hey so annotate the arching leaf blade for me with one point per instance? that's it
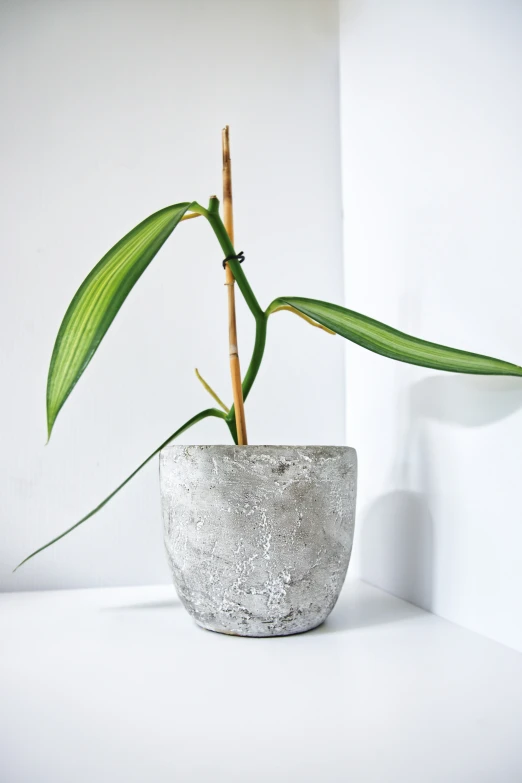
(386, 341)
(98, 300)
(194, 420)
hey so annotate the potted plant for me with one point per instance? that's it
(258, 537)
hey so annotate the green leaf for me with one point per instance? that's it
(198, 417)
(385, 340)
(98, 300)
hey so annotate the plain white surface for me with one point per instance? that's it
(118, 684)
(112, 110)
(432, 170)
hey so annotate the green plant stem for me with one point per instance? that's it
(194, 420)
(231, 424)
(213, 217)
(256, 358)
(221, 233)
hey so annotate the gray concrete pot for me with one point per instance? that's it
(258, 537)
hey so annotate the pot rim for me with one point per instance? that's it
(255, 446)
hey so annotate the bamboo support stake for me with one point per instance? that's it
(228, 220)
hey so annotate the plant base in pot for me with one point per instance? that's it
(258, 537)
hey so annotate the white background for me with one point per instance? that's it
(111, 111)
(114, 110)
(432, 170)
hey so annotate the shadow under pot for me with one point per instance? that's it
(258, 537)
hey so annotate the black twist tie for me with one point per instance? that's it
(234, 257)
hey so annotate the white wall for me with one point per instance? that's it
(432, 171)
(112, 110)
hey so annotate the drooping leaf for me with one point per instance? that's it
(198, 417)
(385, 340)
(98, 300)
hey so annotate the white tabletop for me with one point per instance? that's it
(109, 685)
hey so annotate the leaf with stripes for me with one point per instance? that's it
(385, 340)
(98, 300)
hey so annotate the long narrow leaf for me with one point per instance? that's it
(385, 340)
(198, 417)
(98, 300)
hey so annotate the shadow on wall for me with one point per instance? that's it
(396, 539)
(465, 400)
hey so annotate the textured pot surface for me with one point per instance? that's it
(258, 537)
